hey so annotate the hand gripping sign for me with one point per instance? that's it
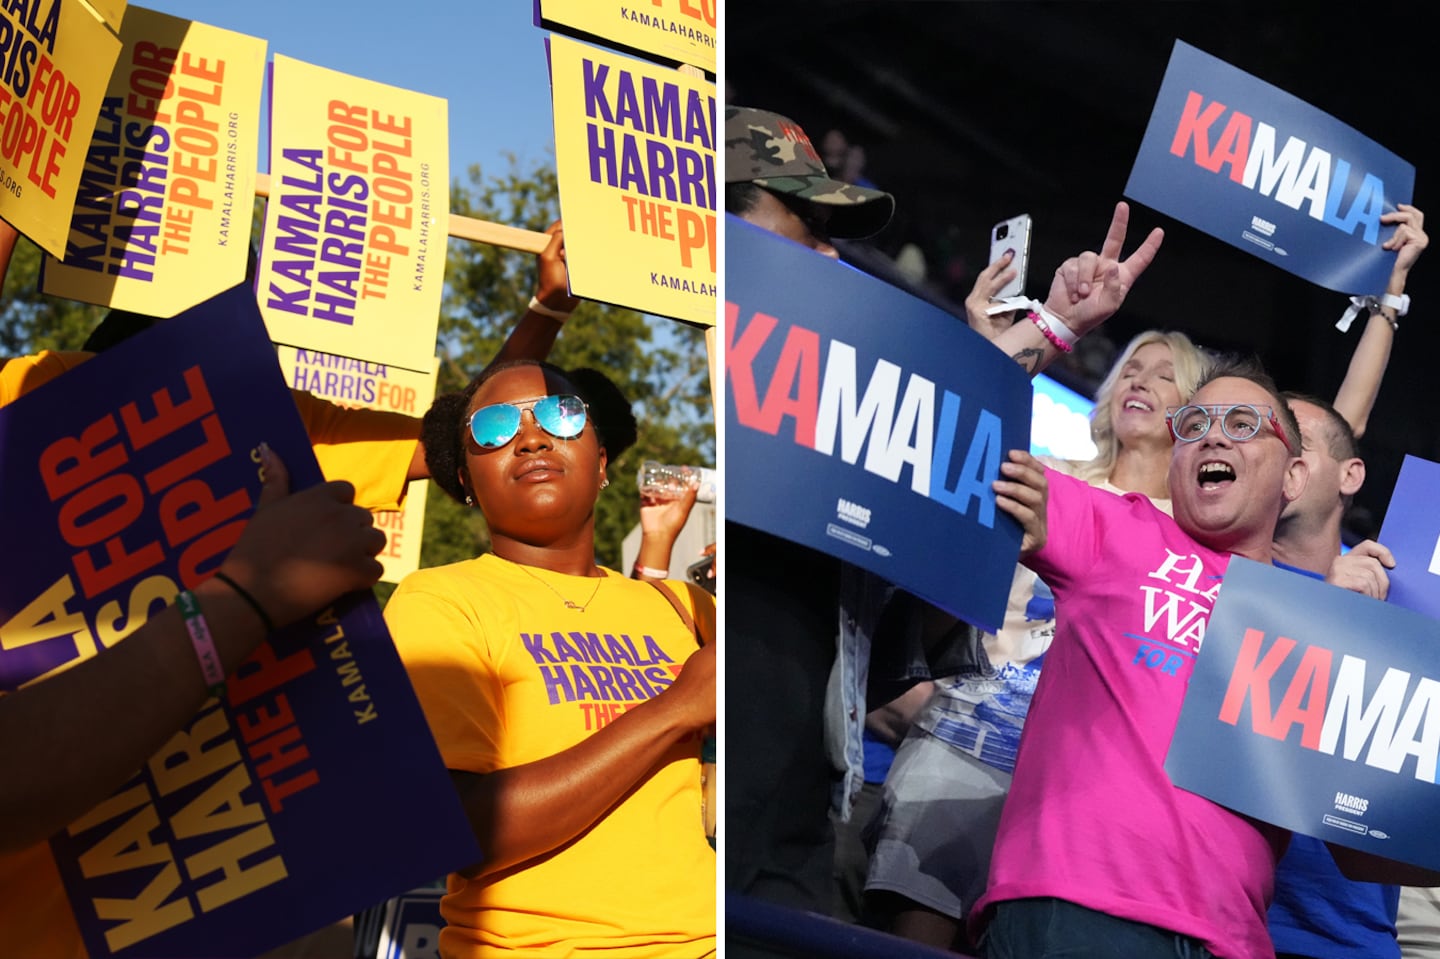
(1326, 705)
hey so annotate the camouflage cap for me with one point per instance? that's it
(773, 152)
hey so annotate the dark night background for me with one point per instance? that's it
(973, 112)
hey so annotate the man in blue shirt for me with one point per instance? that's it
(1316, 911)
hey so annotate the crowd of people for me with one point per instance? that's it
(885, 761)
(558, 798)
(981, 778)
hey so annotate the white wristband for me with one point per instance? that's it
(1058, 327)
(1400, 304)
(537, 307)
(1010, 304)
(652, 573)
(1055, 324)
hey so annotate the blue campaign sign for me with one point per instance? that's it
(1325, 705)
(867, 424)
(1268, 173)
(1412, 531)
(412, 926)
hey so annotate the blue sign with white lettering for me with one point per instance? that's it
(412, 926)
(1268, 173)
(868, 424)
(1412, 531)
(1326, 706)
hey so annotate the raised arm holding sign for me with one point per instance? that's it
(1356, 397)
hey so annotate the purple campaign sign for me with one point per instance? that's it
(314, 788)
(867, 424)
(1268, 173)
(1325, 705)
(1412, 531)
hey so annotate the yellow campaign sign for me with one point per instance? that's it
(56, 61)
(373, 386)
(635, 157)
(681, 31)
(353, 258)
(111, 11)
(162, 216)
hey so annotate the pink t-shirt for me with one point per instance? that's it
(1092, 818)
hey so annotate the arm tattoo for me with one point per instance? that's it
(1029, 359)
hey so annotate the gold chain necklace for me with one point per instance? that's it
(569, 603)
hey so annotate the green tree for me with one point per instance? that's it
(32, 321)
(658, 363)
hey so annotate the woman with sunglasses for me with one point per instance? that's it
(567, 699)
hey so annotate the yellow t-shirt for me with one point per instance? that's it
(507, 675)
(369, 448)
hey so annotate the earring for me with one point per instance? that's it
(605, 482)
(469, 500)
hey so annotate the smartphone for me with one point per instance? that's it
(702, 573)
(1012, 236)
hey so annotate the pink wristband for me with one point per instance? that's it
(1049, 334)
(200, 638)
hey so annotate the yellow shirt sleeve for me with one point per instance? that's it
(22, 374)
(371, 448)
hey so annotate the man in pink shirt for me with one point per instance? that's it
(1097, 851)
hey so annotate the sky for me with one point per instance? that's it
(486, 57)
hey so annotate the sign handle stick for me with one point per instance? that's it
(466, 228)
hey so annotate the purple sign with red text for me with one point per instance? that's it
(313, 787)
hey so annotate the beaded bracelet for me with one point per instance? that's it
(1056, 339)
(200, 638)
(537, 307)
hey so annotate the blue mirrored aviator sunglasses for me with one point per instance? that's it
(561, 415)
